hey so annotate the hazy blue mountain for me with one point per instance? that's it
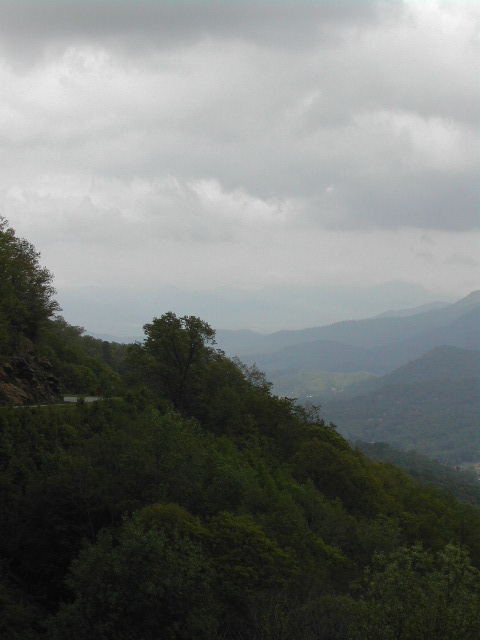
(367, 333)
(321, 355)
(325, 355)
(463, 332)
(440, 364)
(122, 311)
(412, 311)
(237, 342)
(376, 345)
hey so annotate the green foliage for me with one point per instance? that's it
(337, 471)
(84, 365)
(243, 545)
(247, 561)
(173, 355)
(461, 483)
(30, 332)
(250, 569)
(146, 582)
(18, 617)
(25, 291)
(411, 595)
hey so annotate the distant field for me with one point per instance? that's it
(302, 384)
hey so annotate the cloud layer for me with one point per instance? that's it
(208, 144)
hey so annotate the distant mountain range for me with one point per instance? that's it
(376, 345)
(410, 379)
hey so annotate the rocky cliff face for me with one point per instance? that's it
(27, 380)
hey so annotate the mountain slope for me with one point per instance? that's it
(463, 484)
(431, 405)
(439, 364)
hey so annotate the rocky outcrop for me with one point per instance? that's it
(27, 380)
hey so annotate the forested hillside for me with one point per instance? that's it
(43, 357)
(462, 483)
(189, 502)
(431, 405)
(26, 307)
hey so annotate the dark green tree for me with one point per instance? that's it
(173, 357)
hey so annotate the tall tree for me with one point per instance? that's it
(174, 355)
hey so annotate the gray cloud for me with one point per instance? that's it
(159, 25)
(243, 138)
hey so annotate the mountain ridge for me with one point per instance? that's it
(377, 345)
(361, 333)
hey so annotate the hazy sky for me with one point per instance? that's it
(252, 162)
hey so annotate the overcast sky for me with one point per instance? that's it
(261, 164)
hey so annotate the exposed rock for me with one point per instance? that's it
(26, 380)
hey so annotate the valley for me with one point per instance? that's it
(411, 380)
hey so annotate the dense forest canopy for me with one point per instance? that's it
(190, 502)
